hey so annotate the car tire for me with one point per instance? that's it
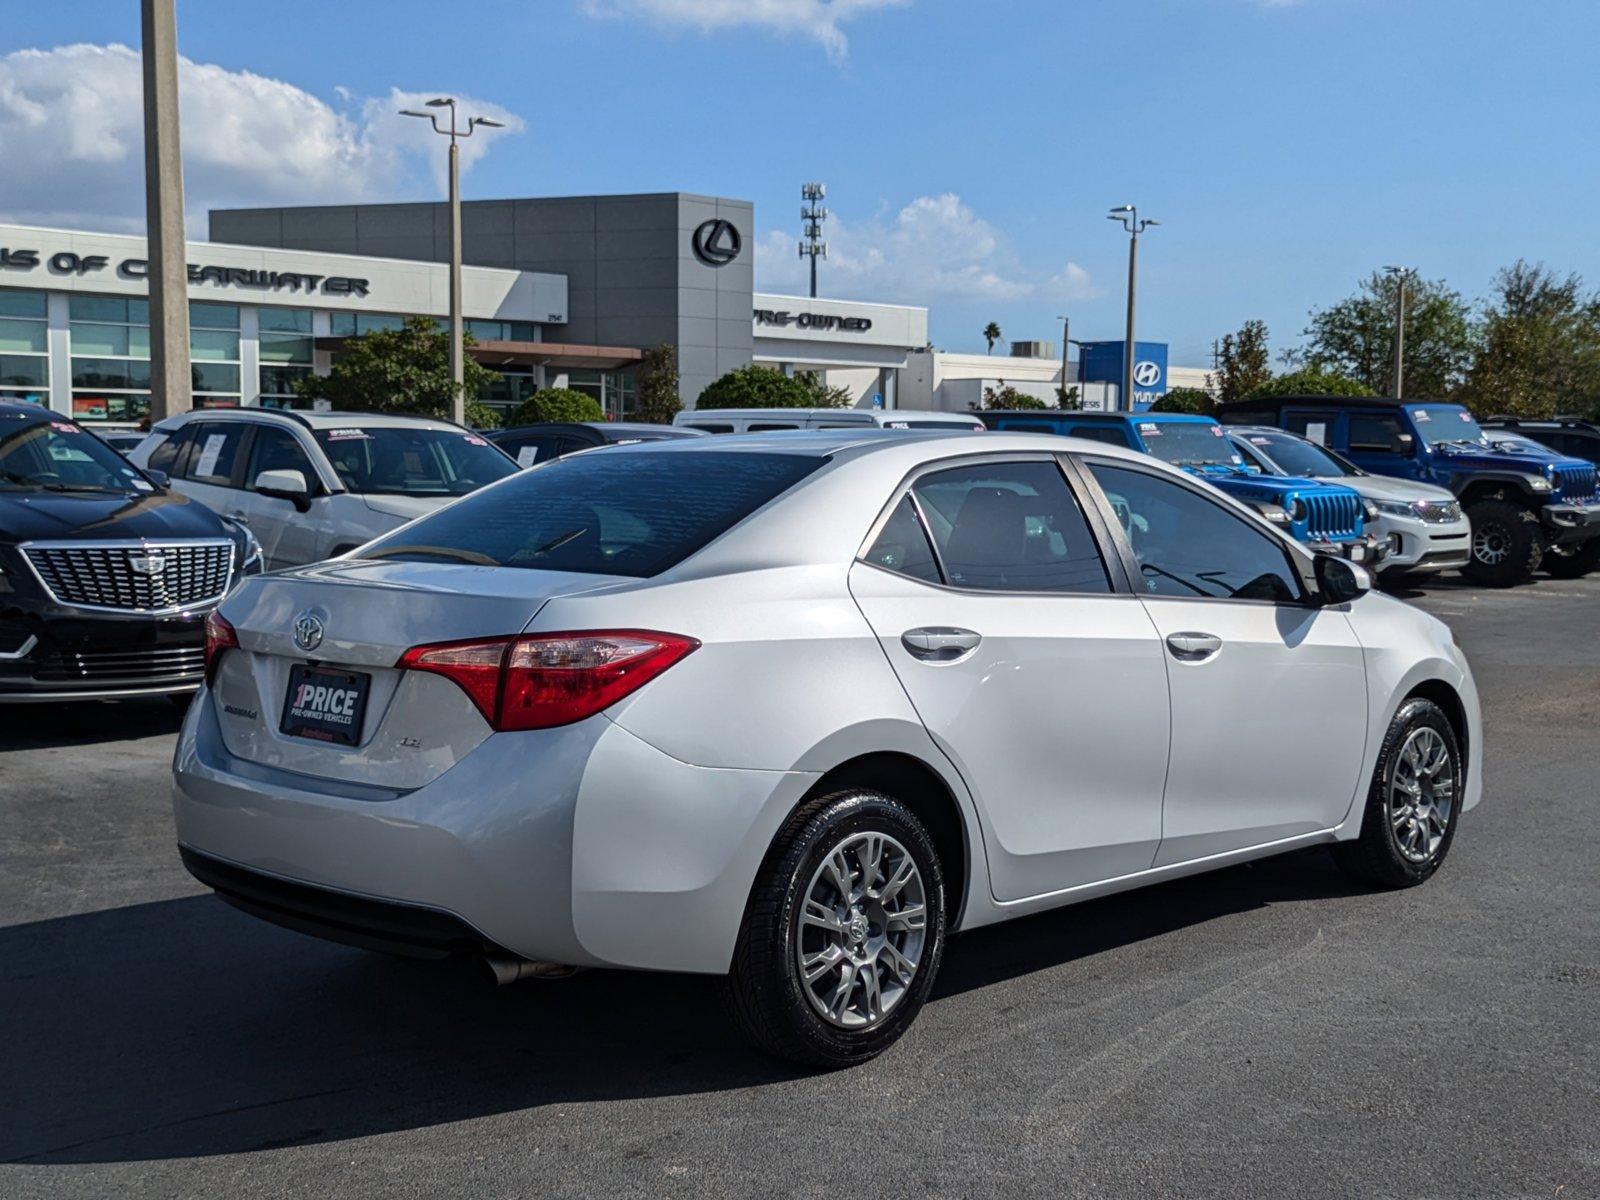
(1404, 834)
(1573, 562)
(1506, 544)
(858, 842)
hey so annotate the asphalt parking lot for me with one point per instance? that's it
(1266, 1031)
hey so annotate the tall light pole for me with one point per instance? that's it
(1128, 214)
(163, 213)
(1066, 343)
(813, 215)
(458, 371)
(1401, 274)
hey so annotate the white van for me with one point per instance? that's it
(759, 420)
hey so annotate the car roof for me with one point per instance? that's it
(869, 440)
(309, 420)
(1057, 414)
(21, 408)
(1273, 403)
(864, 415)
(606, 427)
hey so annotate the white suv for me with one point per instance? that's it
(314, 485)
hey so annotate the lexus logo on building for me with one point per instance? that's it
(1147, 374)
(307, 631)
(716, 242)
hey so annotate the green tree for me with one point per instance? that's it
(1069, 398)
(405, 370)
(1540, 351)
(1242, 362)
(557, 404)
(1356, 338)
(756, 387)
(1311, 381)
(991, 335)
(822, 395)
(658, 385)
(1186, 400)
(1003, 395)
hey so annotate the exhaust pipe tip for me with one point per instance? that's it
(508, 968)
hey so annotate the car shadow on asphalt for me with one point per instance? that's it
(181, 1028)
(86, 722)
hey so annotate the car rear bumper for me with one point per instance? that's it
(581, 845)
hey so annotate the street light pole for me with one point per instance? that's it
(1128, 215)
(163, 203)
(458, 370)
(1066, 343)
(1401, 274)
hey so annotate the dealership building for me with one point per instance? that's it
(557, 292)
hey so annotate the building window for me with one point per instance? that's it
(501, 331)
(24, 347)
(515, 385)
(286, 349)
(616, 390)
(110, 345)
(347, 324)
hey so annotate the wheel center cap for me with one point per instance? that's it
(858, 926)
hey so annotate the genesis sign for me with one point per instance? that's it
(67, 262)
(821, 322)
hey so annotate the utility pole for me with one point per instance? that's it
(170, 390)
(1066, 345)
(458, 369)
(1401, 274)
(1128, 214)
(813, 215)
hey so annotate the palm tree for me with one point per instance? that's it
(991, 335)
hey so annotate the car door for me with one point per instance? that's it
(1035, 669)
(1268, 693)
(288, 535)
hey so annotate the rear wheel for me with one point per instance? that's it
(843, 935)
(1506, 545)
(1573, 562)
(1414, 802)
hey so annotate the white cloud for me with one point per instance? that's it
(820, 20)
(71, 122)
(935, 246)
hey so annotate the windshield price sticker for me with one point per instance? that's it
(1422, 415)
(1216, 431)
(474, 440)
(1149, 427)
(1261, 441)
(527, 456)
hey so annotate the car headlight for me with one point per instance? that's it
(1398, 508)
(1370, 509)
(250, 549)
(1297, 509)
(1538, 483)
(1275, 513)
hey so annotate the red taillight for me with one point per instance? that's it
(220, 636)
(542, 680)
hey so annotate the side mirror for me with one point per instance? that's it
(285, 485)
(1340, 581)
(159, 478)
(1404, 443)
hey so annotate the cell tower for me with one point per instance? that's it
(813, 214)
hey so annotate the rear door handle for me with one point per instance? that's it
(939, 643)
(1193, 647)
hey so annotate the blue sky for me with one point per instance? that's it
(970, 150)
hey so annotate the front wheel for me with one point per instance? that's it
(1506, 544)
(843, 934)
(1573, 562)
(1414, 802)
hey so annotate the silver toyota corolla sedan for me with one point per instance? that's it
(791, 708)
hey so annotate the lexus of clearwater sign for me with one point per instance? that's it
(66, 262)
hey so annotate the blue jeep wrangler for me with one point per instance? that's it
(1527, 504)
(1327, 517)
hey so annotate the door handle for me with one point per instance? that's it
(1193, 647)
(939, 643)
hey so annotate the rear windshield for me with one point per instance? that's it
(409, 460)
(621, 513)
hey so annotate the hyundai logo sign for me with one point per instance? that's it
(1146, 374)
(716, 242)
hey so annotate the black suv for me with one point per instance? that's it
(106, 577)
(1572, 436)
(530, 444)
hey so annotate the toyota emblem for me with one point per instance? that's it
(717, 242)
(307, 631)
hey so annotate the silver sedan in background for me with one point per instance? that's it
(791, 708)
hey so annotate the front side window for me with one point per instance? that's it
(404, 460)
(1010, 527)
(633, 514)
(1187, 545)
(1375, 433)
(277, 450)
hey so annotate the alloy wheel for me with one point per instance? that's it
(1422, 794)
(861, 930)
(1490, 546)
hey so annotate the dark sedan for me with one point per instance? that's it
(530, 444)
(106, 576)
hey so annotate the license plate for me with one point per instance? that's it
(324, 704)
(1358, 553)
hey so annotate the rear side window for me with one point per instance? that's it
(768, 426)
(1111, 435)
(215, 454)
(621, 513)
(903, 546)
(1010, 527)
(713, 428)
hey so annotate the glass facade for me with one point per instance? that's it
(617, 391)
(110, 340)
(285, 348)
(24, 347)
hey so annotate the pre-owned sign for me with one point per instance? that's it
(825, 322)
(66, 262)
